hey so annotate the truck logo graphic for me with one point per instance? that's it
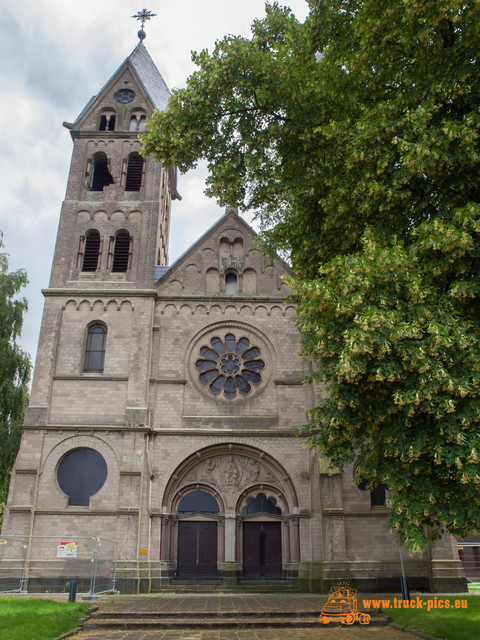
(342, 606)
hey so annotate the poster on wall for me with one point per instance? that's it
(67, 550)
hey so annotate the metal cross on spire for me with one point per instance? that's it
(143, 15)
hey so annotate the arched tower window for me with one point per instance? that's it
(133, 180)
(95, 348)
(133, 123)
(138, 120)
(101, 176)
(92, 252)
(231, 283)
(122, 251)
(107, 121)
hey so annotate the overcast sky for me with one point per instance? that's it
(55, 55)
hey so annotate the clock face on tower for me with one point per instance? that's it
(124, 96)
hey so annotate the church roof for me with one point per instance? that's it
(148, 75)
(160, 271)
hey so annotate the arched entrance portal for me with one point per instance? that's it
(197, 539)
(262, 539)
(227, 511)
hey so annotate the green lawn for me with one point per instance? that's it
(452, 624)
(38, 619)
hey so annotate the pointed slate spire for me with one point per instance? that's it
(150, 76)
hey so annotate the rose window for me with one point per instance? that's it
(230, 366)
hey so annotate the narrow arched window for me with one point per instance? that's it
(95, 348)
(91, 253)
(133, 181)
(107, 121)
(133, 123)
(142, 124)
(101, 176)
(231, 284)
(378, 495)
(121, 252)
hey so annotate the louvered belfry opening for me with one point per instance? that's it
(91, 252)
(134, 172)
(121, 252)
(101, 174)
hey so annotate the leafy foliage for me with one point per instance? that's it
(395, 332)
(14, 370)
(365, 114)
(355, 137)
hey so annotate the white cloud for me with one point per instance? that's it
(55, 56)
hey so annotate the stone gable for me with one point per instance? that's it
(227, 248)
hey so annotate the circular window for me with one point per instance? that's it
(230, 366)
(81, 474)
(124, 96)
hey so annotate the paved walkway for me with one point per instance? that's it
(239, 603)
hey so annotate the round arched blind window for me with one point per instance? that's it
(198, 502)
(230, 366)
(81, 474)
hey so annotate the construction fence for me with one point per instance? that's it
(469, 553)
(47, 564)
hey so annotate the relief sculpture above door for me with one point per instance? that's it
(230, 473)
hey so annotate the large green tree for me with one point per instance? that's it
(14, 370)
(355, 138)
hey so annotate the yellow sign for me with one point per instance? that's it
(3, 542)
(144, 552)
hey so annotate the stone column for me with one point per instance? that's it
(230, 538)
(230, 565)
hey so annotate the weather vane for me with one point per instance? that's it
(143, 15)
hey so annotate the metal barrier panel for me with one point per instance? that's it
(13, 555)
(47, 564)
(53, 561)
(470, 556)
(105, 566)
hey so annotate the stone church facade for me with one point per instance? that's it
(165, 398)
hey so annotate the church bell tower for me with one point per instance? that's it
(91, 379)
(113, 233)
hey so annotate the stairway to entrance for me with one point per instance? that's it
(210, 612)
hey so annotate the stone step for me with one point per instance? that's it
(206, 614)
(209, 621)
(249, 589)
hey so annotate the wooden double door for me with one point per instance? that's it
(262, 549)
(197, 549)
